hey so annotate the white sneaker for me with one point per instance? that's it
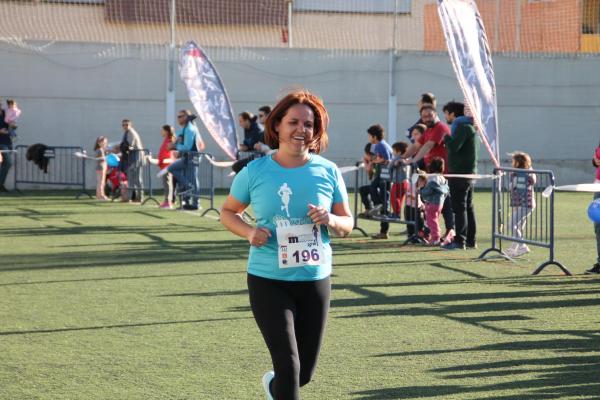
(266, 382)
(517, 250)
(521, 250)
(512, 250)
(162, 172)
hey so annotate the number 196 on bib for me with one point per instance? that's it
(306, 255)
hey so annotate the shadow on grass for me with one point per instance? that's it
(452, 312)
(118, 278)
(208, 294)
(118, 326)
(106, 229)
(158, 251)
(553, 385)
(415, 262)
(372, 302)
(555, 377)
(587, 341)
(454, 269)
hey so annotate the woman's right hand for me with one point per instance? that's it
(258, 237)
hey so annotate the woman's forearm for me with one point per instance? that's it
(341, 225)
(235, 223)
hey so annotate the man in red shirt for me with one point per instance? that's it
(431, 144)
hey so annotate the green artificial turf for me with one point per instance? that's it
(115, 301)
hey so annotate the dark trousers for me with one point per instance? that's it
(185, 172)
(415, 215)
(291, 317)
(448, 213)
(376, 193)
(597, 231)
(6, 163)
(461, 193)
(365, 196)
(380, 195)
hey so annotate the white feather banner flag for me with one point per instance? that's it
(207, 93)
(472, 61)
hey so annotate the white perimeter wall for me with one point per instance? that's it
(548, 107)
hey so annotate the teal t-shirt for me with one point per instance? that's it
(279, 194)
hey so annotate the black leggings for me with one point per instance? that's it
(291, 317)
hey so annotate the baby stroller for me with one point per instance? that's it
(116, 180)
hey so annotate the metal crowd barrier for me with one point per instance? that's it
(56, 166)
(249, 154)
(539, 225)
(205, 186)
(360, 180)
(409, 217)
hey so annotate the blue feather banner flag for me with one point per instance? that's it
(207, 93)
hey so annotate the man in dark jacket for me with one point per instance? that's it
(463, 149)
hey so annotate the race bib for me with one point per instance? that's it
(299, 245)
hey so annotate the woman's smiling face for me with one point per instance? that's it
(296, 130)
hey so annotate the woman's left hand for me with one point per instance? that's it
(319, 215)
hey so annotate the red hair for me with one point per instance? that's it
(320, 138)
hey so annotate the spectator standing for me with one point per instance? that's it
(433, 191)
(431, 145)
(413, 213)
(185, 170)
(6, 143)
(133, 160)
(11, 116)
(596, 162)
(165, 158)
(365, 190)
(522, 200)
(400, 176)
(463, 150)
(425, 99)
(101, 166)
